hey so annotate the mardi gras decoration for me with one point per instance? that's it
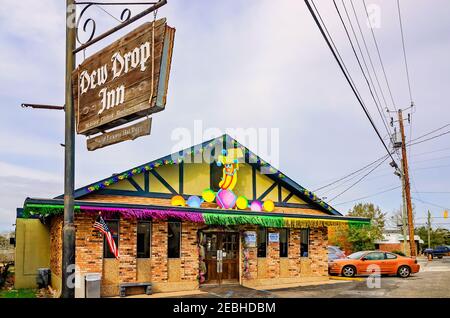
(229, 159)
(246, 263)
(208, 195)
(177, 200)
(202, 257)
(226, 199)
(242, 202)
(194, 201)
(268, 206)
(256, 206)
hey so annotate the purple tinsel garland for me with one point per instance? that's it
(146, 213)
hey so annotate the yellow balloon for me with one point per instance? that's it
(208, 195)
(178, 200)
(268, 205)
(242, 202)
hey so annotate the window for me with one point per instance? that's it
(390, 256)
(304, 242)
(375, 256)
(113, 226)
(174, 239)
(216, 173)
(284, 242)
(144, 229)
(262, 241)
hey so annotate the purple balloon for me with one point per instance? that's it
(256, 206)
(226, 199)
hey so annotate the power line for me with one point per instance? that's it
(368, 196)
(431, 138)
(379, 56)
(436, 192)
(433, 151)
(404, 50)
(359, 180)
(431, 132)
(350, 174)
(431, 203)
(368, 55)
(377, 104)
(335, 48)
(348, 79)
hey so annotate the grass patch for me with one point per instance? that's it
(18, 293)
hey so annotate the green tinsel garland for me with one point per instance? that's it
(44, 210)
(357, 224)
(305, 223)
(229, 219)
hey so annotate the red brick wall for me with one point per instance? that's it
(127, 250)
(273, 256)
(294, 252)
(189, 251)
(89, 245)
(252, 256)
(318, 253)
(159, 252)
(391, 247)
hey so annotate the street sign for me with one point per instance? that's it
(118, 135)
(125, 81)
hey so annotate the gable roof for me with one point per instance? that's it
(225, 140)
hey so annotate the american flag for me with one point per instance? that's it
(100, 225)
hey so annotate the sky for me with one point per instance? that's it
(239, 64)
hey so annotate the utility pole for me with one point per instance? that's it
(412, 244)
(68, 252)
(404, 218)
(429, 228)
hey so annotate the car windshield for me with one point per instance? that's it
(356, 255)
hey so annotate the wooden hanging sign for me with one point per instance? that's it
(132, 132)
(125, 81)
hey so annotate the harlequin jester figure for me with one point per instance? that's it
(229, 159)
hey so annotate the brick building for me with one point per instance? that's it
(274, 233)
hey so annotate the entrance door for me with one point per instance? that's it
(222, 253)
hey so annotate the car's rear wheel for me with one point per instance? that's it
(348, 271)
(440, 256)
(404, 271)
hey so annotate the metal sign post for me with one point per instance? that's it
(68, 252)
(68, 248)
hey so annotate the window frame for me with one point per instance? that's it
(386, 256)
(214, 168)
(149, 223)
(367, 259)
(308, 231)
(287, 242)
(179, 241)
(257, 241)
(106, 250)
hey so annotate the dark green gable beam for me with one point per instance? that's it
(134, 184)
(262, 196)
(163, 181)
(146, 181)
(181, 177)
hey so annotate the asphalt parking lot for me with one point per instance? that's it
(433, 280)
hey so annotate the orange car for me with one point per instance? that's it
(368, 262)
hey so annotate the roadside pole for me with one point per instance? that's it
(412, 244)
(429, 228)
(68, 252)
(404, 218)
